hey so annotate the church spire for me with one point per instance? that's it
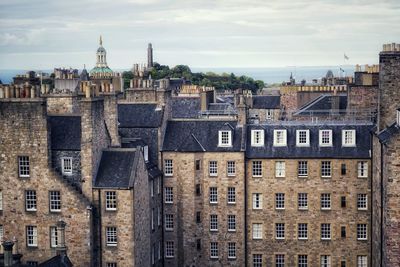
(101, 41)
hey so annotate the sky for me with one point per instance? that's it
(43, 34)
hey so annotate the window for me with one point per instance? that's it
(302, 201)
(168, 167)
(257, 168)
(225, 138)
(231, 223)
(348, 137)
(302, 138)
(302, 260)
(1, 200)
(111, 200)
(213, 195)
(169, 195)
(231, 195)
(257, 231)
(213, 249)
(343, 264)
(326, 169)
(257, 260)
(169, 222)
(198, 190)
(257, 137)
(31, 236)
(325, 201)
(152, 219)
(111, 236)
(279, 137)
(159, 250)
(325, 137)
(231, 168)
(197, 164)
(53, 237)
(279, 260)
(213, 168)
(279, 201)
(325, 231)
(302, 231)
(1, 238)
(280, 169)
(302, 168)
(362, 261)
(151, 188)
(66, 166)
(361, 231)
(257, 201)
(362, 167)
(111, 264)
(55, 201)
(269, 114)
(280, 231)
(325, 261)
(159, 216)
(23, 166)
(343, 169)
(30, 200)
(343, 231)
(169, 249)
(213, 222)
(362, 201)
(198, 244)
(198, 217)
(343, 201)
(159, 185)
(231, 250)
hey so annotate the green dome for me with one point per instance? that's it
(101, 70)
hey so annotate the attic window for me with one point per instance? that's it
(325, 137)
(257, 137)
(348, 137)
(302, 138)
(225, 138)
(280, 138)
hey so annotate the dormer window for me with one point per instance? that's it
(325, 137)
(348, 137)
(279, 137)
(302, 137)
(225, 138)
(257, 137)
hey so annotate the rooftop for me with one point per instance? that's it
(65, 132)
(139, 115)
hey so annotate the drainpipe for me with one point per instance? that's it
(382, 188)
(8, 258)
(245, 210)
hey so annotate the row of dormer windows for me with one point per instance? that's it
(303, 138)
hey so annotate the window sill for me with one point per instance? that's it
(362, 209)
(326, 209)
(257, 176)
(279, 238)
(231, 175)
(326, 177)
(231, 203)
(302, 176)
(303, 239)
(112, 245)
(112, 210)
(55, 211)
(326, 239)
(280, 209)
(362, 239)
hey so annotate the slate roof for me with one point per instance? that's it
(185, 107)
(57, 261)
(200, 136)
(360, 151)
(385, 135)
(322, 105)
(220, 106)
(65, 132)
(115, 169)
(266, 102)
(139, 115)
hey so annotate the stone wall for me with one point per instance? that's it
(362, 97)
(62, 104)
(376, 218)
(76, 176)
(140, 95)
(111, 117)
(340, 249)
(24, 132)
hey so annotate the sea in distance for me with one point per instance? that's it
(268, 75)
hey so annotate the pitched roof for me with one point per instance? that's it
(115, 169)
(57, 261)
(139, 115)
(361, 150)
(200, 136)
(185, 107)
(386, 134)
(266, 102)
(65, 132)
(322, 105)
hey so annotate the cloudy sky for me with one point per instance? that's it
(40, 34)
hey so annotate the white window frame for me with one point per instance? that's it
(302, 169)
(169, 222)
(256, 167)
(280, 169)
(213, 195)
(1, 238)
(169, 195)
(168, 167)
(213, 222)
(30, 200)
(279, 231)
(322, 137)
(257, 138)
(111, 236)
(55, 201)
(301, 199)
(269, 114)
(53, 237)
(326, 261)
(111, 200)
(362, 261)
(231, 168)
(280, 201)
(302, 231)
(362, 231)
(277, 140)
(326, 169)
(169, 249)
(257, 201)
(213, 168)
(326, 198)
(302, 260)
(214, 250)
(231, 195)
(362, 169)
(222, 135)
(257, 230)
(231, 223)
(24, 166)
(66, 166)
(348, 138)
(326, 231)
(362, 201)
(279, 260)
(231, 250)
(31, 236)
(257, 260)
(299, 138)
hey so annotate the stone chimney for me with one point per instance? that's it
(8, 257)
(242, 111)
